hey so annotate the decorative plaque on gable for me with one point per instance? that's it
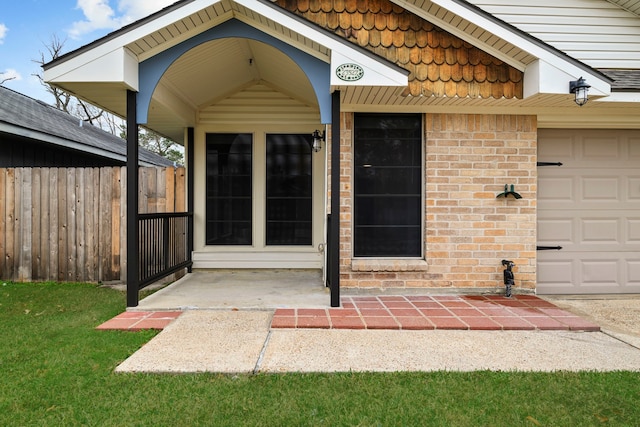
(349, 72)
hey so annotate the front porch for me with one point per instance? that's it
(297, 299)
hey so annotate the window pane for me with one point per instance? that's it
(289, 189)
(229, 188)
(387, 180)
(388, 241)
(388, 185)
(383, 210)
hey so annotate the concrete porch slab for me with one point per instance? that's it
(245, 289)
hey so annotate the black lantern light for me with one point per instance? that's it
(581, 90)
(318, 137)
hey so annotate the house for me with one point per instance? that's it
(35, 134)
(431, 116)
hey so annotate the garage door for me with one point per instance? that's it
(589, 206)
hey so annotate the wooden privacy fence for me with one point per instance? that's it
(69, 224)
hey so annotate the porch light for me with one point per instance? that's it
(318, 137)
(581, 89)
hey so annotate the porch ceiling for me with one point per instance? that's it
(217, 70)
(213, 72)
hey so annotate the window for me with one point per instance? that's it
(229, 189)
(289, 190)
(388, 185)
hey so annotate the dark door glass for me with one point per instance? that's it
(229, 189)
(289, 189)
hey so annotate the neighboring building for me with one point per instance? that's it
(34, 134)
(430, 109)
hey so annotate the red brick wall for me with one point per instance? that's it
(468, 231)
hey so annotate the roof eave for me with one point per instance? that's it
(116, 34)
(543, 53)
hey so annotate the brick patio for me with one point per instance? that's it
(489, 313)
(524, 312)
(139, 320)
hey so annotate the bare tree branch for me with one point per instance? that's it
(54, 51)
(3, 81)
(91, 114)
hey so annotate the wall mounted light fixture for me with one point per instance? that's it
(581, 89)
(318, 137)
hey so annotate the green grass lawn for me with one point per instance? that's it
(56, 369)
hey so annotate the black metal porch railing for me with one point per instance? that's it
(163, 245)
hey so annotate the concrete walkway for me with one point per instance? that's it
(229, 341)
(226, 326)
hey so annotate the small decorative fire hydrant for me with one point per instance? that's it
(508, 276)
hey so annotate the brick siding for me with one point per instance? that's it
(468, 231)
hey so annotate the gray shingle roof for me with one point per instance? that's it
(44, 122)
(623, 80)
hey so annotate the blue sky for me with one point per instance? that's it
(27, 26)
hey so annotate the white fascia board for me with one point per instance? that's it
(130, 70)
(573, 72)
(542, 77)
(376, 72)
(75, 65)
(117, 66)
(621, 97)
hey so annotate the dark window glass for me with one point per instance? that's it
(229, 189)
(388, 185)
(289, 190)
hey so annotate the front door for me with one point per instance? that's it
(263, 205)
(289, 193)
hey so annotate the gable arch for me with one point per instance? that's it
(152, 69)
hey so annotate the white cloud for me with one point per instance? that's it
(3, 32)
(10, 74)
(132, 10)
(99, 15)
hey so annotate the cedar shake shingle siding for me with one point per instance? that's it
(439, 63)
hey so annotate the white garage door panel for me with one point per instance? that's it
(555, 231)
(590, 231)
(591, 207)
(561, 272)
(633, 272)
(559, 187)
(633, 225)
(554, 273)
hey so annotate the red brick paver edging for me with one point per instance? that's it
(139, 320)
(477, 312)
